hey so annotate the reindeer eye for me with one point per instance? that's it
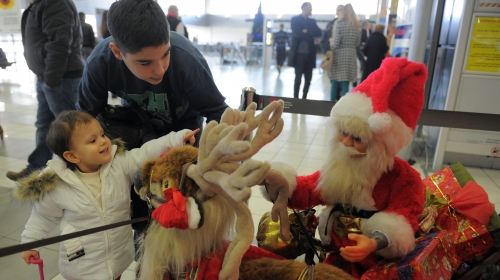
(166, 184)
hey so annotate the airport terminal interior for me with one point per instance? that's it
(302, 143)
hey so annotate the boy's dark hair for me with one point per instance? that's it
(137, 24)
(305, 4)
(59, 136)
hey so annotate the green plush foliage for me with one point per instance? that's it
(431, 199)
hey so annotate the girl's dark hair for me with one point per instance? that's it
(137, 24)
(59, 136)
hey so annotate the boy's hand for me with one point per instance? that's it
(27, 254)
(189, 137)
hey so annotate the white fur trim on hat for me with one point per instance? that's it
(397, 137)
(193, 212)
(380, 122)
(354, 104)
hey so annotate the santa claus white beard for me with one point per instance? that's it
(348, 173)
(171, 249)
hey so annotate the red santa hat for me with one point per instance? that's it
(389, 101)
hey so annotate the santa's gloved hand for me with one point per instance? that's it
(365, 246)
(278, 187)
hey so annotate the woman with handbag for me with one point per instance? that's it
(346, 37)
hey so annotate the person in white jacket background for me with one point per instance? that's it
(86, 186)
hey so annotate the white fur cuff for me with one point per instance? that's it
(397, 229)
(193, 212)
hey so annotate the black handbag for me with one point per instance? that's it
(128, 122)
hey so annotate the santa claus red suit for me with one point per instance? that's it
(366, 188)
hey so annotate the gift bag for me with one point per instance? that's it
(465, 212)
(269, 236)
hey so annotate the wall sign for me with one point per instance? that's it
(484, 45)
(10, 16)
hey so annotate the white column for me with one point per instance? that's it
(418, 44)
(420, 30)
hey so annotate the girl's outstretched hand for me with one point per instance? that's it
(189, 138)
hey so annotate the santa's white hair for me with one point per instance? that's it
(343, 177)
(171, 249)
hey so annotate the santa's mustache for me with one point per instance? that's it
(349, 151)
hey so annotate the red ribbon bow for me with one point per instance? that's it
(472, 201)
(173, 213)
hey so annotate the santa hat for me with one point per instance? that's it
(389, 101)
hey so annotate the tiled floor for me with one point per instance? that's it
(301, 144)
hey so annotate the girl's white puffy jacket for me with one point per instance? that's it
(61, 198)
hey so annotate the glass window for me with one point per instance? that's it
(271, 7)
(233, 7)
(186, 7)
(320, 7)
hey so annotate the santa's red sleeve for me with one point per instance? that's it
(400, 197)
(305, 195)
(301, 189)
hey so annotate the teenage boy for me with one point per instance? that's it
(160, 72)
(143, 63)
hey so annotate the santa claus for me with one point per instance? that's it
(373, 197)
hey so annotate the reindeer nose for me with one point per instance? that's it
(137, 180)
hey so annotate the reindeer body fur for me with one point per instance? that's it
(165, 250)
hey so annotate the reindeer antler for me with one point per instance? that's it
(218, 170)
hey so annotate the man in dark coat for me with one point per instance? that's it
(52, 40)
(366, 32)
(303, 52)
(375, 50)
(280, 41)
(88, 36)
(325, 41)
(175, 21)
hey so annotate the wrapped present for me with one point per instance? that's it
(434, 257)
(383, 270)
(464, 212)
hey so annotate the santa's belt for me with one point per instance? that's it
(352, 211)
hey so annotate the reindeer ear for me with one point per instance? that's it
(146, 171)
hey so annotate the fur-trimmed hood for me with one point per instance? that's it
(42, 181)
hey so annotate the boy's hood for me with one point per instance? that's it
(40, 182)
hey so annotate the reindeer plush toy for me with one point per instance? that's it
(199, 199)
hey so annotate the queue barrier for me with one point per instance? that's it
(452, 119)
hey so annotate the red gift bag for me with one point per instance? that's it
(465, 214)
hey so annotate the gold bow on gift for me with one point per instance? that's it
(269, 237)
(427, 219)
